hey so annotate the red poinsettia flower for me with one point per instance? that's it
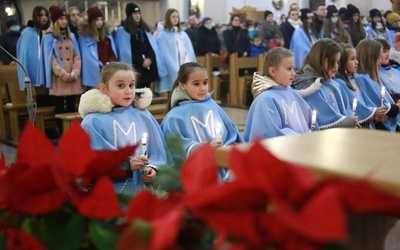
(19, 240)
(44, 177)
(267, 201)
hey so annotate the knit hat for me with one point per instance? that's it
(56, 12)
(205, 19)
(131, 8)
(331, 10)
(343, 14)
(267, 13)
(93, 13)
(375, 12)
(351, 10)
(304, 13)
(11, 22)
(392, 17)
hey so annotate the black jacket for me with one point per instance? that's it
(207, 41)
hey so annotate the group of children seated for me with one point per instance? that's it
(338, 86)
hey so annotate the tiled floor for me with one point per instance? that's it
(238, 116)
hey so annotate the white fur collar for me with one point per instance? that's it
(314, 87)
(94, 101)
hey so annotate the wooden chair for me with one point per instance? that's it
(237, 86)
(15, 109)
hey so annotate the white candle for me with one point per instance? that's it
(354, 106)
(218, 133)
(313, 119)
(383, 90)
(144, 144)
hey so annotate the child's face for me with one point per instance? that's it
(257, 41)
(121, 88)
(284, 73)
(332, 71)
(197, 84)
(99, 22)
(174, 18)
(384, 57)
(62, 22)
(352, 62)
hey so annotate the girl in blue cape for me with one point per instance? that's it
(368, 54)
(277, 109)
(176, 49)
(365, 110)
(303, 37)
(315, 85)
(136, 45)
(96, 46)
(195, 116)
(30, 55)
(389, 75)
(113, 123)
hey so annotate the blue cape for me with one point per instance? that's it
(29, 54)
(123, 44)
(365, 110)
(126, 126)
(166, 43)
(371, 92)
(300, 45)
(275, 112)
(390, 78)
(90, 59)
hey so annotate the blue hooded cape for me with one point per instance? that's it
(90, 59)
(300, 45)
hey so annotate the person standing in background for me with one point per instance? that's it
(135, 45)
(9, 41)
(320, 14)
(269, 29)
(29, 54)
(176, 49)
(74, 15)
(192, 29)
(208, 38)
(96, 46)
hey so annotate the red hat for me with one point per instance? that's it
(93, 13)
(56, 12)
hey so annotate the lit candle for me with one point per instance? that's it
(218, 133)
(383, 90)
(354, 106)
(313, 119)
(144, 144)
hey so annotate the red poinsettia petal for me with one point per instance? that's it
(30, 190)
(132, 240)
(75, 148)
(321, 220)
(3, 166)
(166, 229)
(258, 167)
(35, 150)
(362, 197)
(101, 202)
(147, 206)
(199, 170)
(17, 239)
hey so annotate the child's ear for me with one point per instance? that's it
(103, 88)
(272, 71)
(181, 86)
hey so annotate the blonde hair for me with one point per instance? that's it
(57, 31)
(111, 68)
(98, 34)
(274, 57)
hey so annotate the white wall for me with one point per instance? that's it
(28, 6)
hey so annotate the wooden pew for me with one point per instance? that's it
(217, 62)
(350, 154)
(237, 87)
(15, 108)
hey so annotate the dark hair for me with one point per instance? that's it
(36, 15)
(167, 20)
(233, 16)
(256, 36)
(324, 49)
(183, 76)
(384, 42)
(132, 27)
(342, 71)
(319, 5)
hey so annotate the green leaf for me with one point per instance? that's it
(168, 178)
(59, 230)
(102, 234)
